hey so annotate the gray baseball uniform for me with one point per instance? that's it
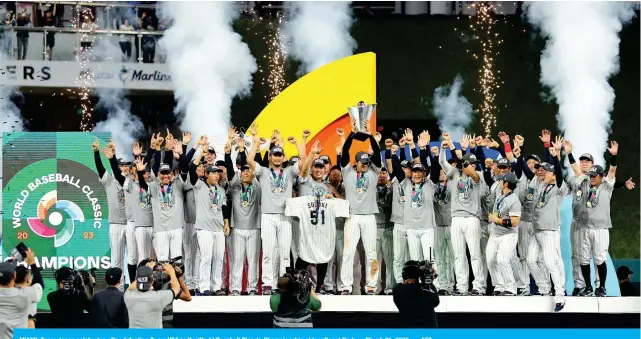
(191, 255)
(444, 258)
(143, 217)
(597, 234)
(167, 202)
(117, 219)
(399, 234)
(384, 238)
(579, 188)
(502, 243)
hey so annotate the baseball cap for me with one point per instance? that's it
(418, 167)
(325, 159)
(384, 169)
(596, 170)
(277, 150)
(335, 167)
(318, 163)
(113, 275)
(122, 162)
(164, 168)
(211, 149)
(144, 278)
(586, 156)
(452, 161)
(534, 157)
(406, 164)
(509, 177)
(546, 166)
(7, 269)
(219, 163)
(244, 168)
(363, 158)
(503, 163)
(213, 169)
(623, 271)
(471, 158)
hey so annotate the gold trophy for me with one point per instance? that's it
(361, 115)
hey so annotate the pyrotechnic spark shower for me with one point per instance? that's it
(86, 77)
(276, 54)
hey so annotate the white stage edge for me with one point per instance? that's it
(385, 304)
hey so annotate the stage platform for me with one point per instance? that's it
(450, 304)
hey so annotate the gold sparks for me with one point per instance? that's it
(85, 79)
(276, 54)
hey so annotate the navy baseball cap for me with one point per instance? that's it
(245, 168)
(452, 161)
(211, 149)
(596, 170)
(509, 177)
(623, 271)
(586, 156)
(325, 159)
(405, 164)
(363, 158)
(219, 163)
(122, 162)
(546, 166)
(335, 167)
(318, 163)
(113, 275)
(276, 150)
(471, 158)
(503, 163)
(144, 279)
(7, 269)
(384, 169)
(164, 168)
(418, 167)
(533, 157)
(213, 169)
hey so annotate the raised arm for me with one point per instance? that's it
(376, 149)
(442, 159)
(613, 149)
(251, 157)
(345, 153)
(302, 152)
(307, 166)
(96, 157)
(568, 152)
(435, 171)
(140, 168)
(556, 162)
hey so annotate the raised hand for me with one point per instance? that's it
(445, 144)
(378, 137)
(434, 150)
(159, 140)
(169, 135)
(388, 144)
(316, 148)
(186, 138)
(178, 149)
(203, 140)
(292, 140)
(479, 140)
(567, 144)
(519, 140)
(306, 134)
(136, 149)
(614, 147)
(493, 144)
(394, 149)
(253, 129)
(489, 162)
(446, 136)
(402, 141)
(108, 152)
(170, 143)
(472, 139)
(340, 132)
(504, 137)
(339, 149)
(545, 136)
(558, 144)
(231, 133)
(262, 140)
(112, 145)
(629, 184)
(409, 136)
(465, 142)
(95, 145)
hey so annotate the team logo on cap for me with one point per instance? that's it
(365, 156)
(56, 218)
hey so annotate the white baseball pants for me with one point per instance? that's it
(168, 244)
(420, 243)
(576, 243)
(244, 244)
(526, 235)
(144, 243)
(401, 252)
(499, 252)
(132, 249)
(466, 231)
(212, 249)
(444, 257)
(548, 246)
(117, 243)
(485, 236)
(359, 227)
(385, 253)
(276, 236)
(190, 250)
(295, 239)
(595, 245)
(333, 278)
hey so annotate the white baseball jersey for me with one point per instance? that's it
(317, 239)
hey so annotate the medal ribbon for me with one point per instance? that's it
(278, 179)
(593, 195)
(417, 192)
(500, 202)
(166, 193)
(213, 195)
(141, 196)
(360, 180)
(441, 191)
(245, 192)
(544, 194)
(464, 185)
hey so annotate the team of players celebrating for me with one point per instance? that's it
(439, 203)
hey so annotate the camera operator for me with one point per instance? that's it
(15, 302)
(292, 307)
(72, 299)
(417, 297)
(144, 304)
(108, 308)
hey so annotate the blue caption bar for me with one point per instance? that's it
(325, 333)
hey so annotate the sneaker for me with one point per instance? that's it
(388, 292)
(244, 293)
(475, 292)
(345, 292)
(576, 291)
(235, 293)
(220, 293)
(507, 294)
(192, 292)
(587, 292)
(456, 293)
(328, 292)
(600, 292)
(496, 293)
(443, 292)
(524, 292)
(206, 293)
(558, 307)
(371, 292)
(267, 290)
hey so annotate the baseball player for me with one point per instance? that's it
(317, 215)
(360, 183)
(167, 202)
(116, 203)
(276, 187)
(466, 190)
(596, 235)
(191, 255)
(400, 170)
(384, 232)
(547, 223)
(504, 235)
(212, 226)
(245, 234)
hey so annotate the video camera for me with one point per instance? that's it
(161, 278)
(428, 273)
(300, 284)
(75, 282)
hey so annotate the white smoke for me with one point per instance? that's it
(123, 125)
(581, 54)
(453, 111)
(209, 64)
(318, 32)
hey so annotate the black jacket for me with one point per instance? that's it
(415, 306)
(108, 309)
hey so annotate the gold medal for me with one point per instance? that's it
(589, 204)
(441, 202)
(277, 190)
(414, 205)
(142, 205)
(214, 206)
(540, 204)
(401, 199)
(530, 196)
(165, 205)
(579, 193)
(461, 196)
(245, 203)
(359, 190)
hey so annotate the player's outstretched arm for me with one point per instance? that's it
(442, 158)
(376, 151)
(345, 157)
(567, 145)
(96, 157)
(613, 149)
(307, 166)
(251, 157)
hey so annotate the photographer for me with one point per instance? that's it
(108, 308)
(417, 297)
(73, 297)
(292, 307)
(15, 302)
(145, 305)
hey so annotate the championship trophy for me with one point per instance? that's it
(361, 115)
(241, 134)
